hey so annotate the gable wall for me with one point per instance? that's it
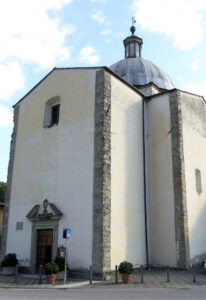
(56, 163)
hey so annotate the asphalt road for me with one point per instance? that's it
(105, 293)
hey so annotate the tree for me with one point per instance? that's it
(2, 191)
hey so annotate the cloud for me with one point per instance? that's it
(98, 1)
(106, 32)
(6, 117)
(198, 88)
(12, 79)
(99, 17)
(89, 55)
(180, 20)
(195, 65)
(30, 34)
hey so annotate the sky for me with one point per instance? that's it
(37, 36)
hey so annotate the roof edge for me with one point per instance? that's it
(48, 74)
(77, 68)
(148, 98)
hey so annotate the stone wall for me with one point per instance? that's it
(180, 202)
(9, 181)
(102, 175)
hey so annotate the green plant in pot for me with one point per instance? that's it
(126, 270)
(9, 263)
(51, 269)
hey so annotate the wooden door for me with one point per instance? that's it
(44, 246)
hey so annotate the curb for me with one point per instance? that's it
(43, 286)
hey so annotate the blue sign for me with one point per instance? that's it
(68, 233)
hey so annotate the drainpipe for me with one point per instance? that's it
(145, 183)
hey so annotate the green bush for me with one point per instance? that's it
(126, 267)
(60, 261)
(10, 260)
(51, 268)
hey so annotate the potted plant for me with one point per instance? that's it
(126, 270)
(60, 261)
(51, 269)
(9, 263)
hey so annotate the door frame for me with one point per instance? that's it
(36, 225)
(45, 216)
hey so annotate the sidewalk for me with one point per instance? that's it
(151, 278)
(32, 281)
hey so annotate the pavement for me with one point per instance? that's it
(147, 278)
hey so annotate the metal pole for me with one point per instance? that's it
(168, 274)
(193, 273)
(65, 264)
(90, 275)
(116, 275)
(16, 273)
(40, 274)
(142, 276)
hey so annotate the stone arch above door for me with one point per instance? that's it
(42, 217)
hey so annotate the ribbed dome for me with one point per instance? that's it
(138, 71)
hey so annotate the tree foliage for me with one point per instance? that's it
(2, 191)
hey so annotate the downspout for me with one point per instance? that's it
(145, 183)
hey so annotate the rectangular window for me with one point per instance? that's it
(55, 114)
(198, 181)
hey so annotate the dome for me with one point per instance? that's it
(138, 71)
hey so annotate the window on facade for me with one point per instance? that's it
(55, 114)
(132, 50)
(51, 112)
(198, 181)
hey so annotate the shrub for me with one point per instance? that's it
(10, 260)
(60, 261)
(51, 268)
(126, 267)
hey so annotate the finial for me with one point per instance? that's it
(133, 28)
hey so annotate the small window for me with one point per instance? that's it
(198, 181)
(55, 114)
(51, 112)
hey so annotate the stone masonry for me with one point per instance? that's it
(180, 205)
(101, 260)
(9, 181)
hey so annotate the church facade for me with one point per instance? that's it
(117, 155)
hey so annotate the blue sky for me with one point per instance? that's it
(39, 35)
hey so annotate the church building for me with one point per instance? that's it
(116, 154)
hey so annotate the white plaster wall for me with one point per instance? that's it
(160, 182)
(127, 187)
(149, 90)
(56, 163)
(194, 145)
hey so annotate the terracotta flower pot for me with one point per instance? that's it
(126, 278)
(51, 278)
